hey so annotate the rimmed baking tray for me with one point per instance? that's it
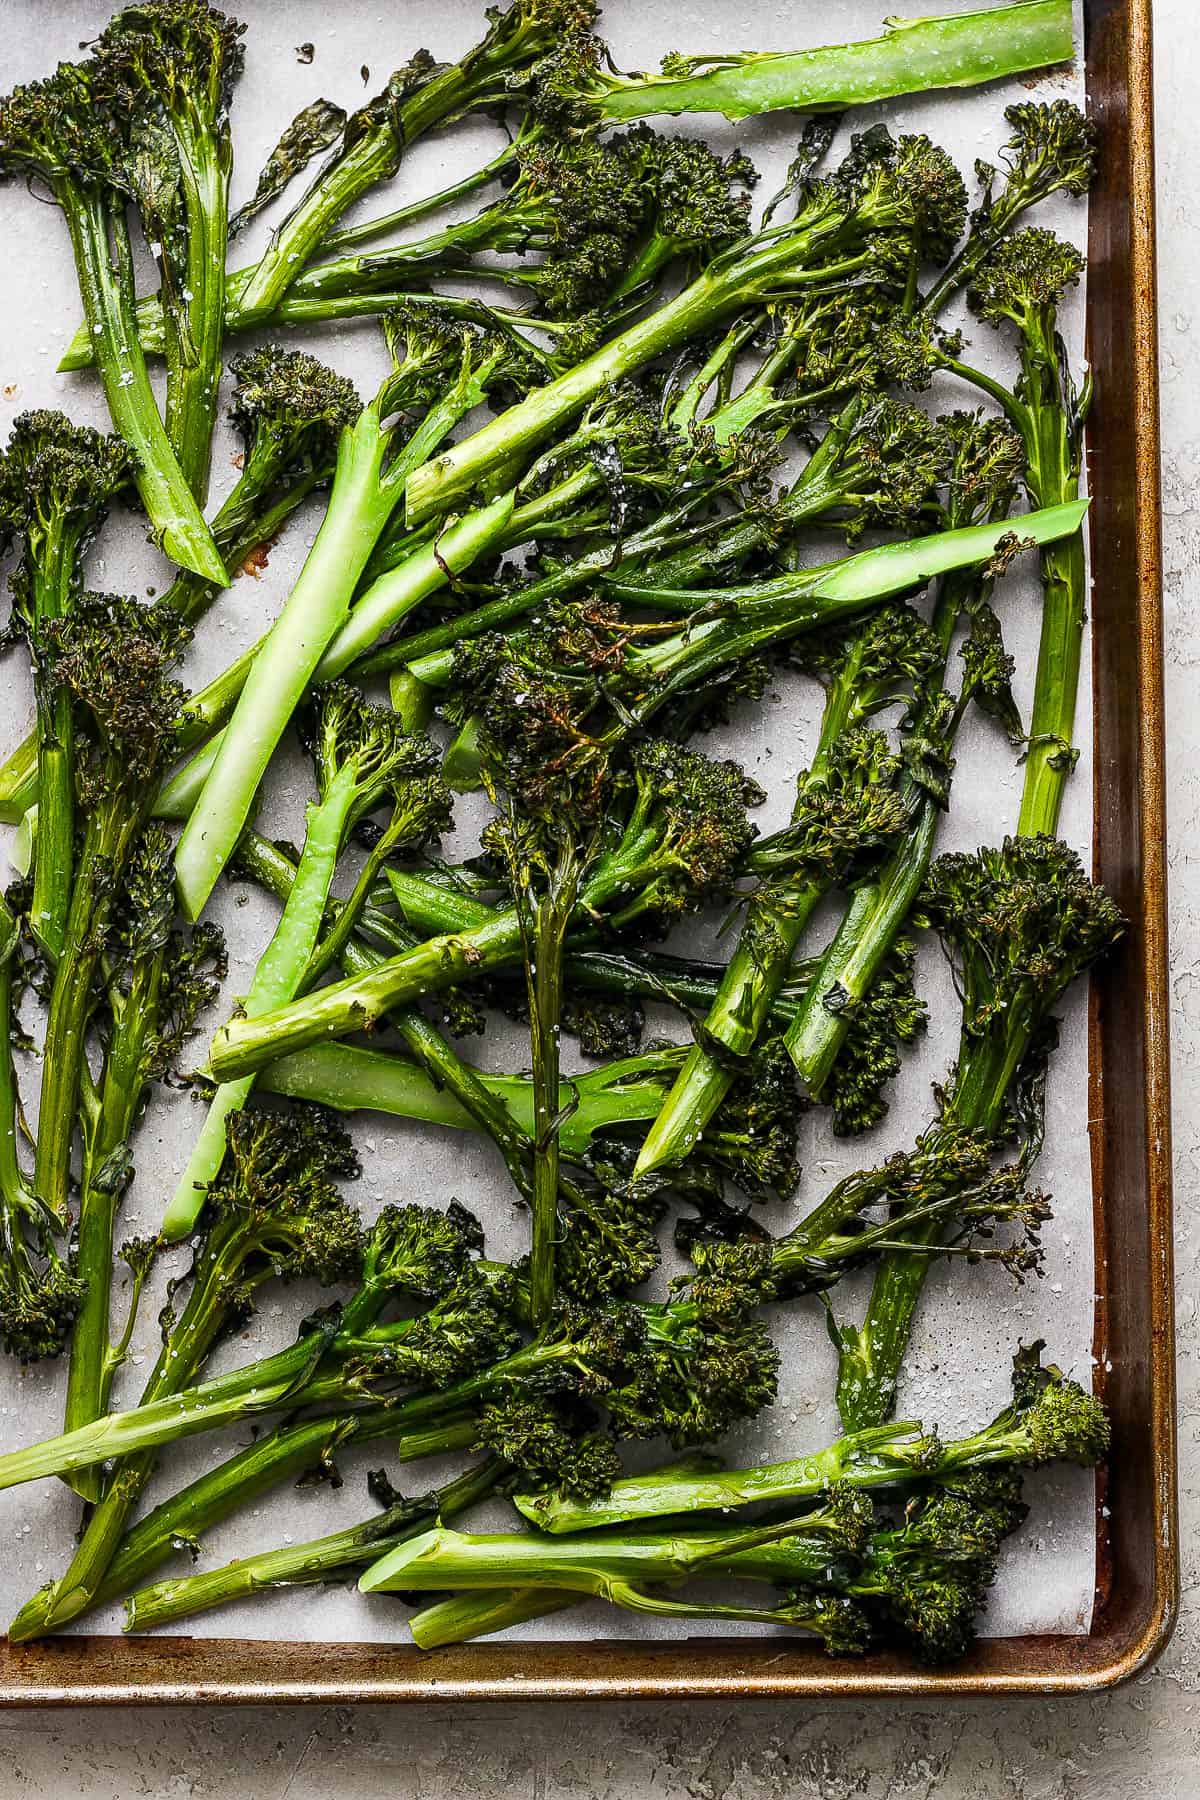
(1129, 1117)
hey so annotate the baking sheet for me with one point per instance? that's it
(972, 1318)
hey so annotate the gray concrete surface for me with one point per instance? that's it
(1144, 1740)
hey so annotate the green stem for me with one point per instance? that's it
(184, 1350)
(296, 310)
(846, 972)
(12, 1179)
(457, 546)
(52, 581)
(544, 923)
(601, 1566)
(109, 833)
(288, 1452)
(885, 1456)
(482, 1613)
(349, 1079)
(317, 607)
(1051, 759)
(914, 55)
(419, 209)
(93, 1358)
(276, 980)
(193, 378)
(330, 1558)
(104, 265)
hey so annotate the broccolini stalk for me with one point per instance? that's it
(457, 1084)
(629, 1571)
(546, 893)
(288, 409)
(578, 203)
(606, 218)
(64, 131)
(172, 64)
(362, 758)
(1050, 1419)
(157, 985)
(684, 834)
(332, 1558)
(913, 55)
(1022, 283)
(686, 1370)
(689, 986)
(416, 100)
(442, 371)
(289, 1452)
(482, 1612)
(430, 567)
(40, 1294)
(749, 619)
(1022, 923)
(862, 221)
(276, 1213)
(408, 568)
(606, 1567)
(984, 469)
(56, 482)
(111, 656)
(848, 808)
(917, 1579)
(496, 168)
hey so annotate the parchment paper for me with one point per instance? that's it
(972, 1318)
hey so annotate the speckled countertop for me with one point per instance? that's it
(1143, 1740)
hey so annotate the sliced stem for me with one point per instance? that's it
(913, 56)
(104, 265)
(483, 1613)
(193, 377)
(283, 667)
